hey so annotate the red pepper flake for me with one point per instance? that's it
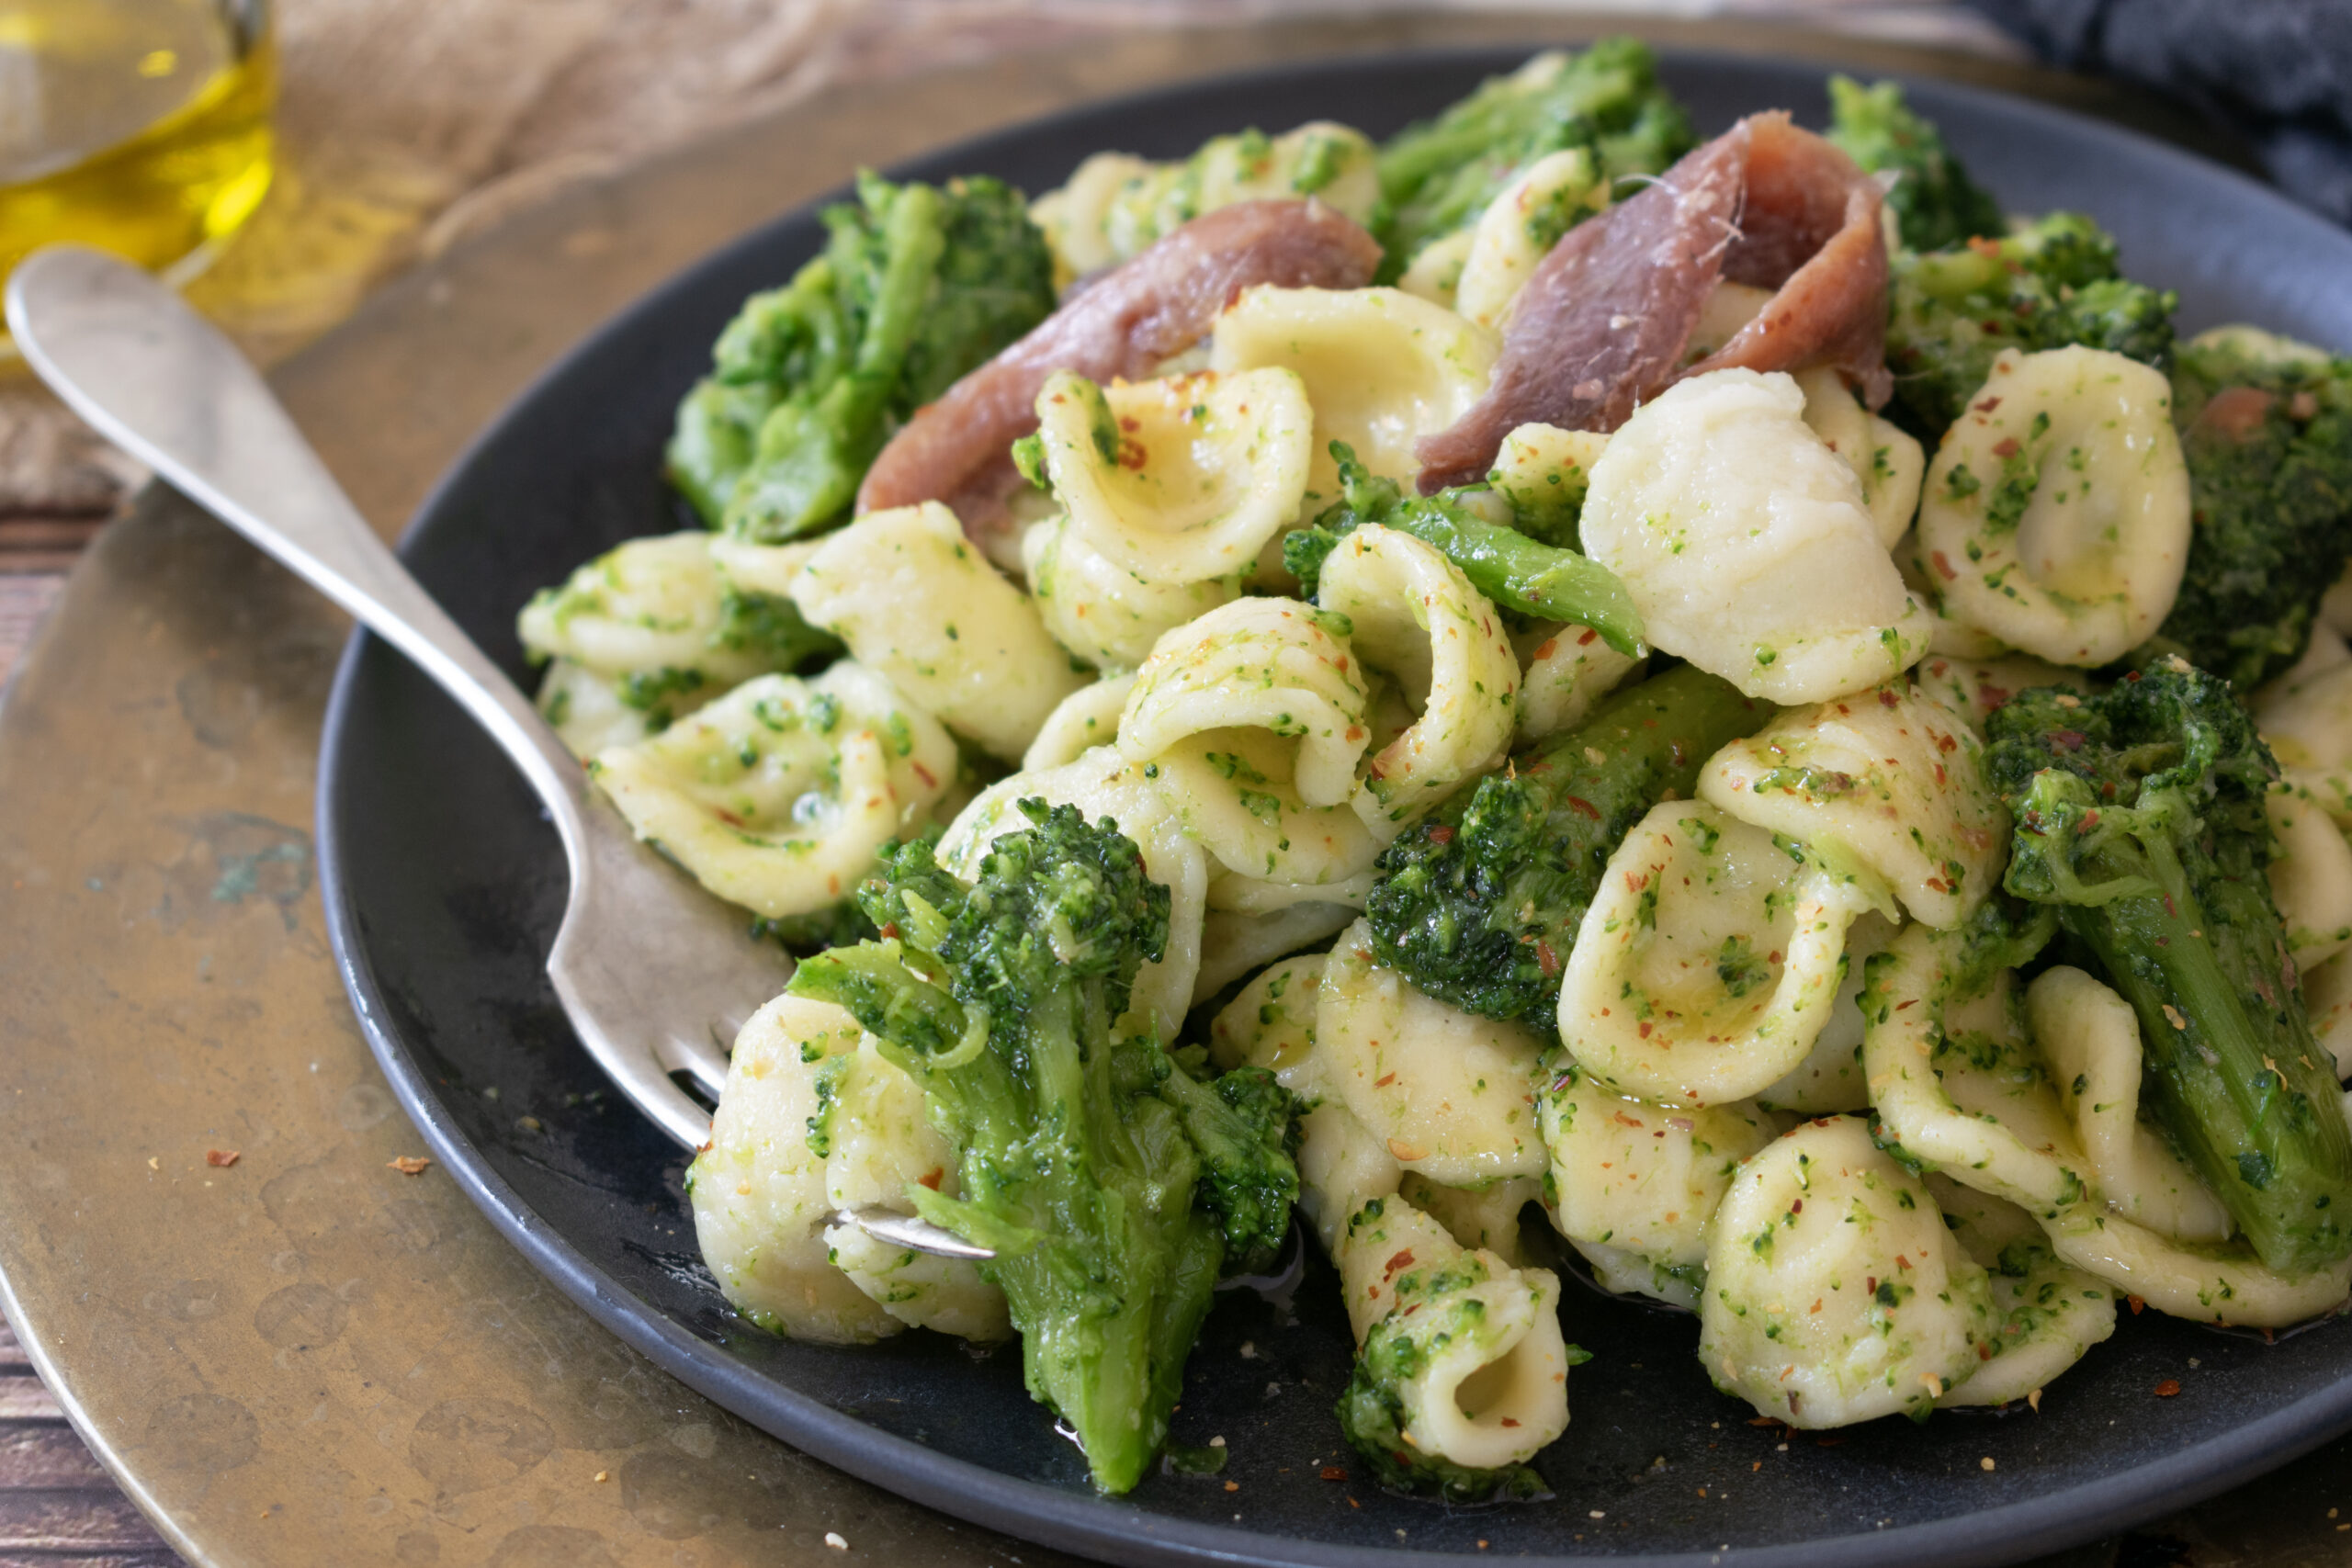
(1402, 1260)
(1885, 698)
(1384, 1083)
(1130, 423)
(223, 1158)
(930, 779)
(1131, 455)
(1587, 640)
(2135, 1303)
(1869, 1284)
(932, 1177)
(1988, 405)
(1798, 1208)
(890, 932)
(1577, 802)
(1546, 960)
(1944, 568)
(1441, 834)
(408, 1165)
(2006, 447)
(1645, 1029)
(1333, 1472)
(2167, 1388)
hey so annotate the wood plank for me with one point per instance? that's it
(73, 1520)
(36, 1457)
(24, 1398)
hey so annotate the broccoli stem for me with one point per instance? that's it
(1502, 562)
(1524, 574)
(1479, 905)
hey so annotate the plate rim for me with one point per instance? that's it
(1113, 1529)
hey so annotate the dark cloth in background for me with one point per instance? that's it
(2278, 72)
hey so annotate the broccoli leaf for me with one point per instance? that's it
(1438, 176)
(2050, 284)
(2267, 429)
(1935, 205)
(918, 286)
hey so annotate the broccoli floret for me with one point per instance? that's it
(2267, 429)
(918, 285)
(1935, 205)
(2051, 282)
(2140, 817)
(1508, 566)
(1438, 175)
(1479, 905)
(1113, 1186)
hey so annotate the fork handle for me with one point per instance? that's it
(159, 381)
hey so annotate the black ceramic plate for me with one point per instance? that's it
(444, 885)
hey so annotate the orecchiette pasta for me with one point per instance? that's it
(1416, 616)
(1484, 1218)
(1888, 781)
(1452, 1094)
(1116, 204)
(1519, 229)
(1834, 1292)
(2308, 723)
(1831, 1077)
(1489, 1384)
(2055, 514)
(1381, 368)
(1088, 717)
(589, 711)
(1889, 462)
(1955, 1082)
(1545, 472)
(2089, 1037)
(1746, 543)
(1249, 721)
(1102, 613)
(2327, 996)
(777, 795)
(1642, 1182)
(1436, 272)
(915, 600)
(759, 1190)
(879, 1144)
(649, 605)
(2049, 1314)
(2310, 876)
(1233, 943)
(1104, 783)
(1566, 672)
(1708, 962)
(1183, 479)
(1972, 688)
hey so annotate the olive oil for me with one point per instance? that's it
(138, 126)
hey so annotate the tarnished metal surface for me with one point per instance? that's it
(307, 1357)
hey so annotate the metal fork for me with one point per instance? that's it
(655, 974)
